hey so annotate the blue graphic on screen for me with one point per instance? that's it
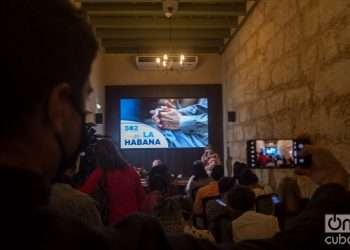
(163, 122)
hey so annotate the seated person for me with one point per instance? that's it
(210, 190)
(170, 214)
(198, 179)
(156, 163)
(70, 202)
(249, 179)
(291, 201)
(158, 187)
(238, 169)
(249, 225)
(215, 208)
(160, 169)
(201, 234)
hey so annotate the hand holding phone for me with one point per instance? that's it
(325, 167)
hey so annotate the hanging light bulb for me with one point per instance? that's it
(164, 63)
(158, 60)
(165, 57)
(182, 57)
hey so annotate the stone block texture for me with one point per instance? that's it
(287, 72)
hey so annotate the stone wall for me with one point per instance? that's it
(287, 72)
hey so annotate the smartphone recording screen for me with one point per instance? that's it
(267, 154)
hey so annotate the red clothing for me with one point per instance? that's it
(125, 192)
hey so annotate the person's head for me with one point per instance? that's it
(248, 178)
(198, 170)
(217, 173)
(158, 183)
(241, 198)
(108, 156)
(156, 163)
(225, 184)
(160, 168)
(238, 168)
(48, 48)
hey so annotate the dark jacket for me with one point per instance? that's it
(27, 223)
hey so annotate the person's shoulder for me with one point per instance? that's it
(68, 231)
(264, 217)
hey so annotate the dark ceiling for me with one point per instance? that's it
(140, 26)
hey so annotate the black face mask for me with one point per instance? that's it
(68, 161)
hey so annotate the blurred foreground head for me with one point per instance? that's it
(48, 48)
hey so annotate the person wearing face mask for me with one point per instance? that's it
(48, 48)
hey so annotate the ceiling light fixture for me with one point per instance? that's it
(170, 62)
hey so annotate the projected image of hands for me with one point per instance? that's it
(167, 116)
(182, 123)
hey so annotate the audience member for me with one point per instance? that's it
(47, 51)
(156, 163)
(200, 234)
(250, 224)
(291, 201)
(238, 169)
(158, 188)
(198, 179)
(162, 170)
(139, 231)
(69, 201)
(216, 208)
(218, 215)
(248, 178)
(119, 182)
(170, 214)
(210, 190)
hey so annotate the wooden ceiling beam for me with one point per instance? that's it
(163, 23)
(159, 1)
(164, 43)
(163, 34)
(185, 9)
(137, 50)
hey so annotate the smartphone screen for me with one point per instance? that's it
(221, 202)
(275, 199)
(276, 153)
(271, 153)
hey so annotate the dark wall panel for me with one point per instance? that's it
(178, 160)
